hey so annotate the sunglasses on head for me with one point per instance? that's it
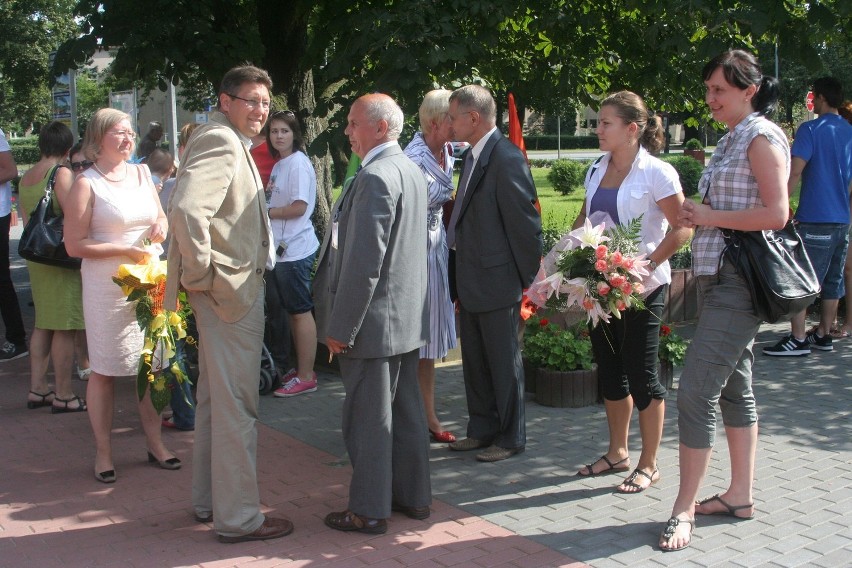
(81, 165)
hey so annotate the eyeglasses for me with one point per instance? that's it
(122, 133)
(252, 104)
(85, 164)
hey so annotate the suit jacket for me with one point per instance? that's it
(217, 216)
(370, 291)
(498, 230)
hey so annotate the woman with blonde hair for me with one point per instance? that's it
(431, 150)
(112, 212)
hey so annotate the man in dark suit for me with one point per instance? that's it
(372, 311)
(496, 233)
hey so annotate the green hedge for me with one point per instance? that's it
(567, 175)
(689, 169)
(25, 150)
(552, 142)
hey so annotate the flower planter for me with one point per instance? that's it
(530, 373)
(696, 154)
(566, 389)
(682, 298)
(667, 374)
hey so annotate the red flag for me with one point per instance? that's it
(516, 135)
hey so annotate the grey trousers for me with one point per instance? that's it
(718, 361)
(385, 431)
(224, 473)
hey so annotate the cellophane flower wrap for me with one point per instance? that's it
(595, 269)
(160, 367)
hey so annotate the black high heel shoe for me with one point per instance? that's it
(171, 463)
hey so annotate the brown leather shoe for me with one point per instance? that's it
(468, 444)
(419, 513)
(271, 528)
(496, 453)
(349, 521)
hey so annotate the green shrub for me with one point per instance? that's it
(25, 150)
(693, 144)
(567, 175)
(548, 346)
(689, 171)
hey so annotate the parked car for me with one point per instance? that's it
(459, 148)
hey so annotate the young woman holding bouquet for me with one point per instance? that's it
(744, 187)
(625, 184)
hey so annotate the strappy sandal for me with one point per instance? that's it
(730, 510)
(31, 404)
(611, 467)
(56, 409)
(631, 481)
(669, 533)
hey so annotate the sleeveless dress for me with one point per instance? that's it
(120, 214)
(57, 292)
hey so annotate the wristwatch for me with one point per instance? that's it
(652, 264)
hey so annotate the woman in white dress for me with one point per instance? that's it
(430, 149)
(112, 209)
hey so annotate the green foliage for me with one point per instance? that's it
(567, 175)
(672, 346)
(682, 258)
(25, 150)
(546, 345)
(693, 144)
(552, 142)
(689, 169)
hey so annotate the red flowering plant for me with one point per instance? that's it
(672, 346)
(595, 269)
(548, 346)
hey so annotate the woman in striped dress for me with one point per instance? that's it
(430, 149)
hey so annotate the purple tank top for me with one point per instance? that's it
(606, 200)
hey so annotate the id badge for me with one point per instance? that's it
(334, 227)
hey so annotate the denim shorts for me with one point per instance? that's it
(826, 244)
(294, 284)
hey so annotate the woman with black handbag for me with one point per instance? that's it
(57, 292)
(744, 187)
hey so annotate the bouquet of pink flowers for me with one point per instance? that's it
(595, 269)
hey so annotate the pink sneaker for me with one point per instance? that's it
(295, 387)
(289, 375)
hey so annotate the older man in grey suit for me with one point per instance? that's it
(495, 230)
(371, 308)
(219, 249)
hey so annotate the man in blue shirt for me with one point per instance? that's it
(822, 158)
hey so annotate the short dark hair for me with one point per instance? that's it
(290, 119)
(830, 89)
(160, 162)
(55, 139)
(236, 77)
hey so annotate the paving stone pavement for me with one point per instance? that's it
(530, 510)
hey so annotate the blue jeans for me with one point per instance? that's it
(826, 246)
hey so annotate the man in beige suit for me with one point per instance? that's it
(220, 246)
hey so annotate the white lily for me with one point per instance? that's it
(589, 236)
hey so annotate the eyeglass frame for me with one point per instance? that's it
(122, 134)
(84, 165)
(253, 104)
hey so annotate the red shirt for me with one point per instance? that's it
(263, 160)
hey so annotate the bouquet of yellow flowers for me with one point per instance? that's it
(160, 369)
(595, 269)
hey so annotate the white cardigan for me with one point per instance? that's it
(648, 181)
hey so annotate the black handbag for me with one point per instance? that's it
(776, 267)
(41, 240)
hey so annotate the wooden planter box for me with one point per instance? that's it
(566, 389)
(667, 374)
(696, 154)
(682, 299)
